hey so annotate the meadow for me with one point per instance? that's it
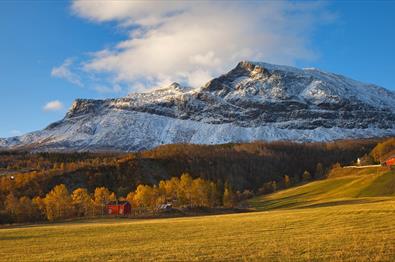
(346, 218)
(344, 186)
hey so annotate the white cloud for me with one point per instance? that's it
(54, 105)
(191, 42)
(64, 71)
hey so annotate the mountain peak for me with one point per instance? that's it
(175, 85)
(253, 101)
(252, 65)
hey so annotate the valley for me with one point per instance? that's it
(348, 218)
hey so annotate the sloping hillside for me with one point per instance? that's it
(344, 186)
(244, 166)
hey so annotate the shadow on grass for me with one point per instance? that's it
(284, 202)
(7, 238)
(305, 204)
(383, 185)
(176, 213)
(343, 202)
(273, 205)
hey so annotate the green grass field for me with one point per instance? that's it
(345, 186)
(347, 218)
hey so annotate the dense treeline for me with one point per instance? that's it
(180, 192)
(60, 204)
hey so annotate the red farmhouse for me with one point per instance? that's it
(119, 208)
(390, 161)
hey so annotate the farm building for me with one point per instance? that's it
(119, 208)
(165, 207)
(390, 161)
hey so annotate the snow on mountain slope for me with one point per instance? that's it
(254, 101)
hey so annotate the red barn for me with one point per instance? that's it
(390, 161)
(119, 208)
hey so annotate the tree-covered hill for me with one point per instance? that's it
(244, 166)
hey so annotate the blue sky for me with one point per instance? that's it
(356, 39)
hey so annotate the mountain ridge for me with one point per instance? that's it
(253, 101)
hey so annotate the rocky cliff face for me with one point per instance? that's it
(254, 101)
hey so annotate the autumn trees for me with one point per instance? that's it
(181, 192)
(145, 197)
(383, 150)
(22, 209)
(59, 203)
(100, 198)
(82, 202)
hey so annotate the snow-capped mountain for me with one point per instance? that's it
(254, 101)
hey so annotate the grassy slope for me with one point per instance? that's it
(332, 231)
(345, 186)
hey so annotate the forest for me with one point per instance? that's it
(230, 172)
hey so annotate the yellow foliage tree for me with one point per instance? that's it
(82, 202)
(101, 197)
(113, 197)
(146, 197)
(171, 188)
(40, 204)
(58, 203)
(130, 199)
(200, 192)
(184, 194)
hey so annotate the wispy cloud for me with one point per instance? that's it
(54, 105)
(66, 72)
(191, 42)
